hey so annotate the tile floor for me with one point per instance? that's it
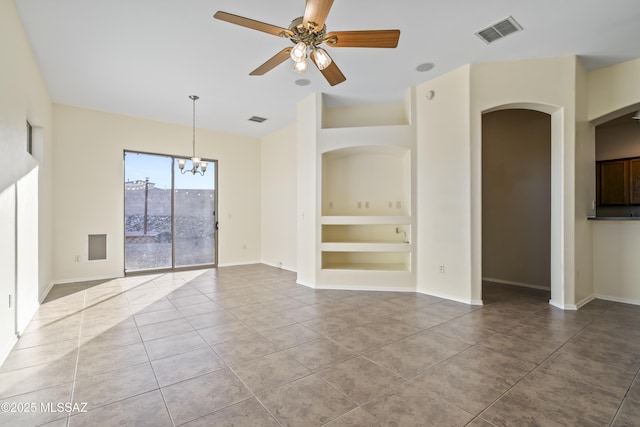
(246, 346)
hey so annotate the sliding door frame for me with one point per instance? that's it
(173, 267)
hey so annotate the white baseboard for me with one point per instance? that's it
(46, 292)
(510, 282)
(618, 299)
(233, 264)
(585, 301)
(281, 267)
(363, 288)
(562, 306)
(451, 298)
(82, 279)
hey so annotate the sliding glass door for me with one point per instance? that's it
(194, 219)
(170, 217)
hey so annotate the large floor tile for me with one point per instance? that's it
(226, 331)
(531, 351)
(106, 388)
(361, 379)
(33, 378)
(613, 377)
(101, 360)
(320, 354)
(164, 329)
(30, 409)
(410, 356)
(413, 405)
(187, 365)
(194, 398)
(244, 349)
(270, 371)
(247, 413)
(309, 401)
(567, 401)
(145, 410)
(628, 415)
(172, 345)
(246, 345)
(290, 336)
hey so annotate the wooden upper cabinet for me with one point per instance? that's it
(634, 181)
(613, 176)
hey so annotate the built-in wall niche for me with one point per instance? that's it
(366, 233)
(366, 180)
(365, 115)
(379, 261)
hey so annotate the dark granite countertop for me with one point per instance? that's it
(613, 218)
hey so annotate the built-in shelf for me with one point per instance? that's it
(362, 266)
(364, 219)
(365, 247)
(379, 259)
(366, 178)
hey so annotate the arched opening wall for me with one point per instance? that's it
(450, 145)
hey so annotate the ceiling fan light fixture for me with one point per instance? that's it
(299, 52)
(321, 57)
(636, 115)
(300, 67)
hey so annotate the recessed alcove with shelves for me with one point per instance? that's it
(375, 115)
(366, 181)
(366, 261)
(366, 205)
(360, 184)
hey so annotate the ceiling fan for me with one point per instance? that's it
(307, 33)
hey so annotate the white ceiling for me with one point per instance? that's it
(143, 58)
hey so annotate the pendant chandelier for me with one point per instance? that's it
(197, 166)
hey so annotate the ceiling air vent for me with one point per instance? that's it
(257, 119)
(499, 30)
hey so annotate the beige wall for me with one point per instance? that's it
(619, 141)
(616, 268)
(279, 198)
(25, 181)
(613, 91)
(88, 186)
(547, 85)
(444, 187)
(516, 197)
(585, 193)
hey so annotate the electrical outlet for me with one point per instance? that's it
(366, 205)
(441, 268)
(398, 205)
(77, 258)
(359, 205)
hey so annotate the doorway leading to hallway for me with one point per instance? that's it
(170, 217)
(516, 199)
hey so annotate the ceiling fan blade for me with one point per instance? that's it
(332, 73)
(253, 24)
(371, 38)
(315, 13)
(273, 62)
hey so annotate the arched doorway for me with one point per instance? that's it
(560, 253)
(516, 204)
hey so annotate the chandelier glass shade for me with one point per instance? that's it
(197, 165)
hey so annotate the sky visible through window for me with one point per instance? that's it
(139, 166)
